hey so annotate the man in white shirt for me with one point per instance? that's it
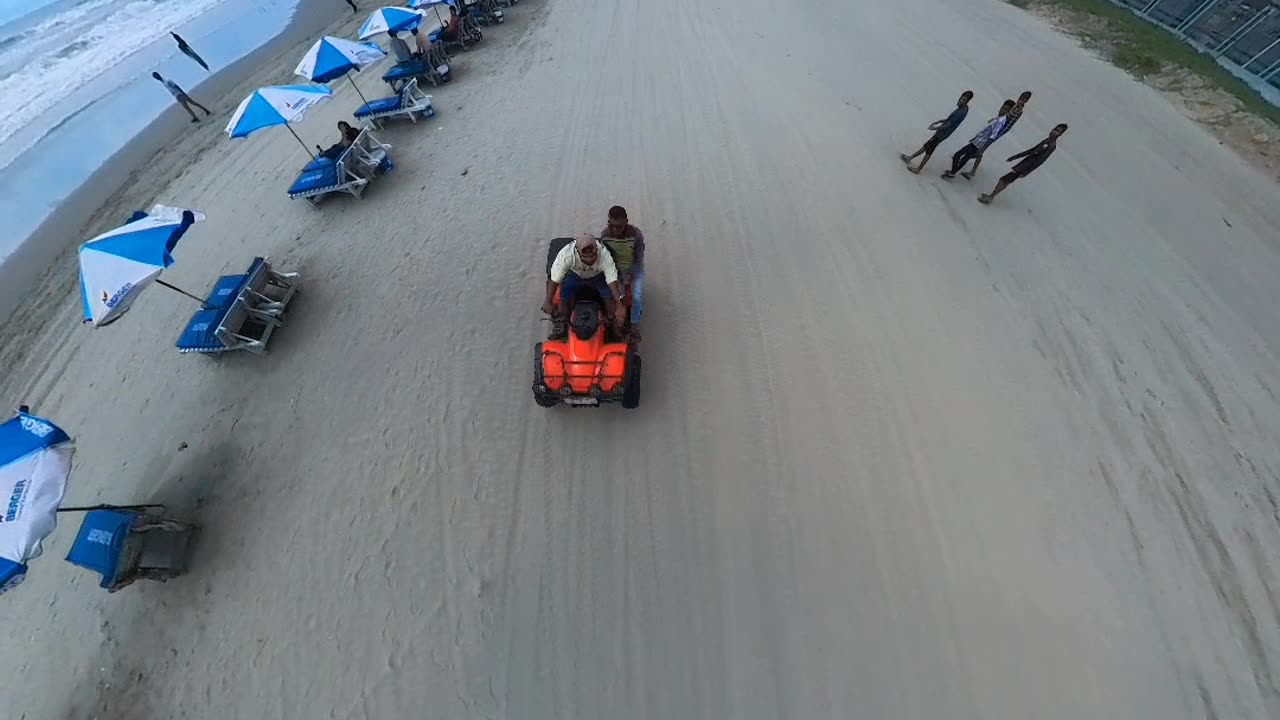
(585, 261)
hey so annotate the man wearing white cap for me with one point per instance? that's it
(585, 260)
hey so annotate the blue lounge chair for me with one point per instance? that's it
(241, 311)
(434, 71)
(470, 34)
(485, 12)
(409, 102)
(322, 176)
(124, 545)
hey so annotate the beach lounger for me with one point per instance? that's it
(322, 176)
(127, 545)
(434, 70)
(485, 12)
(241, 311)
(354, 169)
(409, 102)
(469, 35)
(368, 155)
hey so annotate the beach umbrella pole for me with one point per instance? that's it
(180, 291)
(90, 508)
(357, 87)
(304, 146)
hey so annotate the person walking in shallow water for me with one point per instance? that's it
(182, 97)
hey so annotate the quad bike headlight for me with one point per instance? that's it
(540, 388)
(565, 390)
(595, 391)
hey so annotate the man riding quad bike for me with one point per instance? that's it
(591, 354)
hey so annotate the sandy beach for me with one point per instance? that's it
(899, 455)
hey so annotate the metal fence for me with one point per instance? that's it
(1242, 35)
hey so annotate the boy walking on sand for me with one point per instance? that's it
(980, 142)
(182, 97)
(1011, 119)
(942, 130)
(1031, 159)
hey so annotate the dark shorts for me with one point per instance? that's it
(932, 143)
(1011, 176)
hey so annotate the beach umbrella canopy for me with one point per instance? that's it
(331, 58)
(386, 19)
(35, 461)
(433, 4)
(116, 266)
(275, 105)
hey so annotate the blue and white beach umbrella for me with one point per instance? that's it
(386, 19)
(331, 58)
(433, 4)
(276, 105)
(116, 266)
(35, 461)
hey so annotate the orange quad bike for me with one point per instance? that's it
(594, 362)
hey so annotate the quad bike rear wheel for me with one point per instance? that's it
(631, 382)
(542, 399)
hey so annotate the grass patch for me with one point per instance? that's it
(1142, 48)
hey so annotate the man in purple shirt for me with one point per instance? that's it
(626, 244)
(979, 143)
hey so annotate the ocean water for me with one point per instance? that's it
(76, 86)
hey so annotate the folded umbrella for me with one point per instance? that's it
(35, 462)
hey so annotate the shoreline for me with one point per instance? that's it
(30, 263)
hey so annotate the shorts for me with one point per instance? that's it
(932, 143)
(596, 282)
(1009, 177)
